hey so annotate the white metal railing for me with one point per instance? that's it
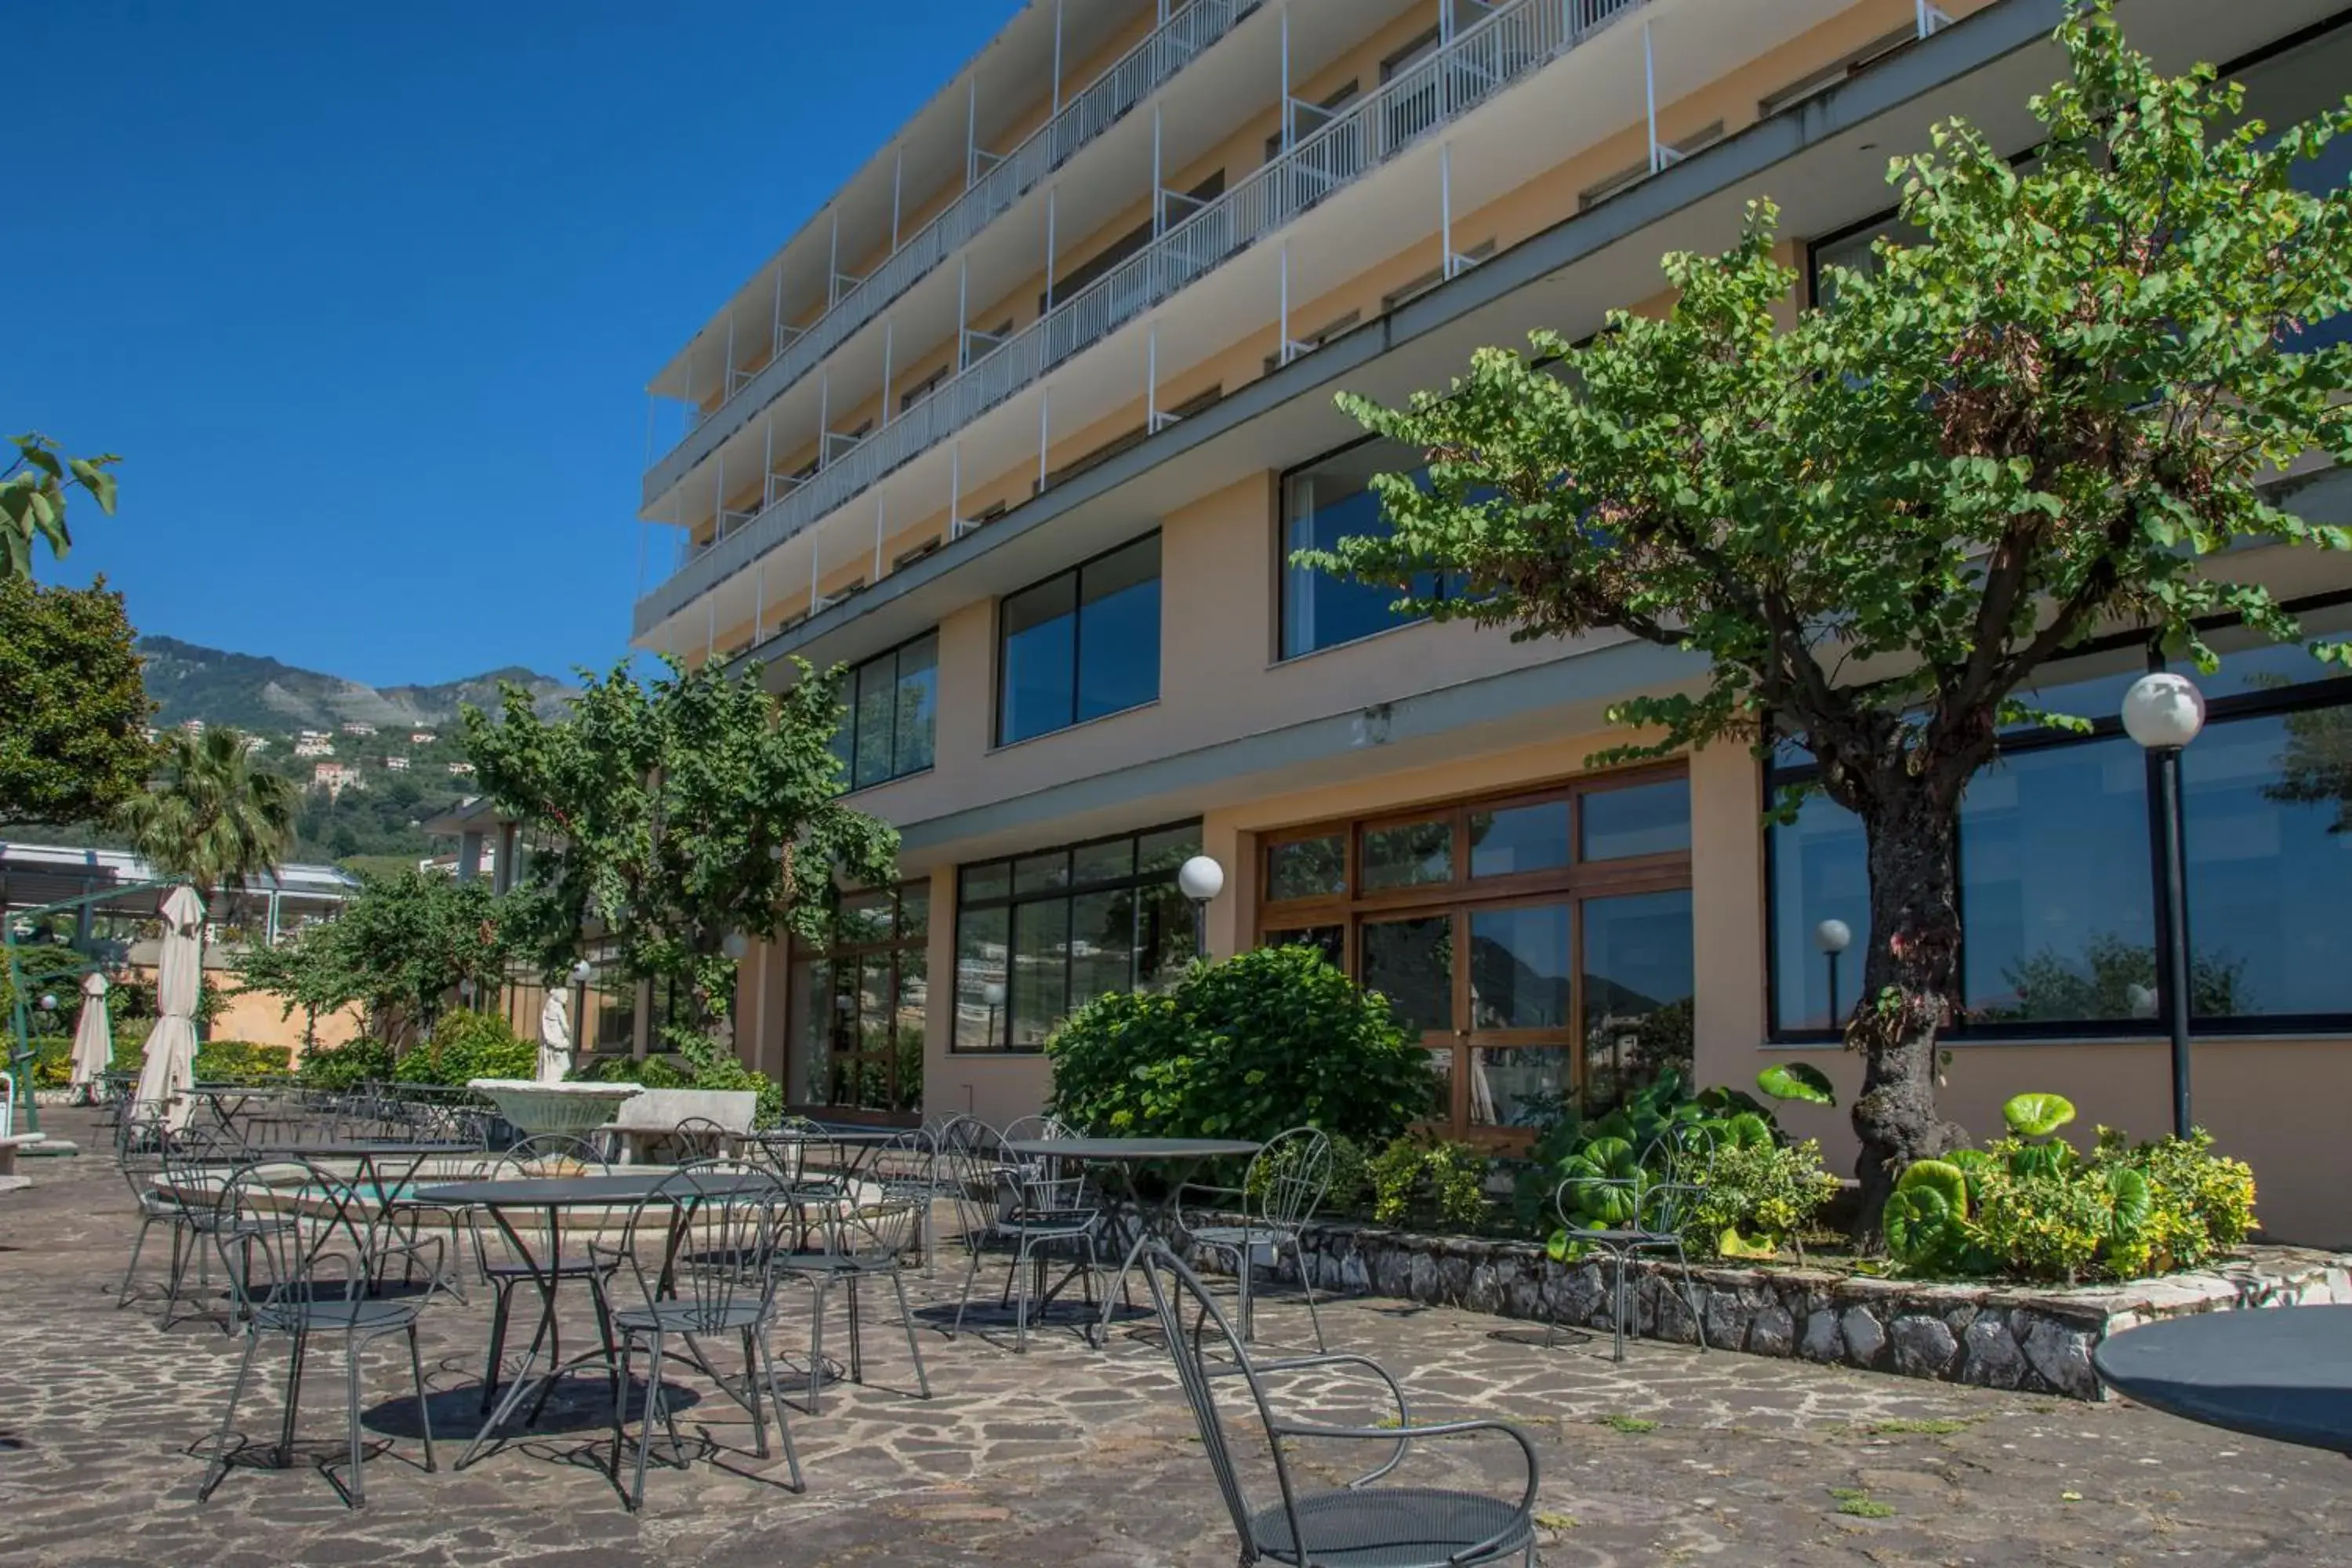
(1465, 73)
(1098, 107)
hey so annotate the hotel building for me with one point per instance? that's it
(1021, 425)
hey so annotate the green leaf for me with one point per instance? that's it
(1796, 1081)
(1919, 1228)
(2037, 1115)
(1947, 1181)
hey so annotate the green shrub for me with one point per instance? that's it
(1411, 1180)
(1270, 1039)
(2028, 1207)
(466, 1046)
(363, 1060)
(52, 1060)
(243, 1061)
(1756, 1196)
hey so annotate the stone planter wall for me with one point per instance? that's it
(1998, 1336)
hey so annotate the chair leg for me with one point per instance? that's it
(123, 1296)
(856, 1339)
(228, 1419)
(1245, 1263)
(646, 1418)
(776, 1399)
(816, 1348)
(1018, 1284)
(971, 1278)
(423, 1407)
(1695, 1293)
(621, 1402)
(1620, 1313)
(352, 1403)
(301, 1343)
(751, 1395)
(906, 1315)
(1297, 1252)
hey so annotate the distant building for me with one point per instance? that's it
(356, 727)
(255, 745)
(336, 778)
(461, 770)
(311, 735)
(152, 735)
(311, 745)
(193, 726)
(422, 737)
(396, 764)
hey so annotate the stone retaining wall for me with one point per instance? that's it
(1998, 1336)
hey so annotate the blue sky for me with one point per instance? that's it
(367, 297)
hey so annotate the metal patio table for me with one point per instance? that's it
(554, 1196)
(1154, 1219)
(2281, 1373)
(385, 1167)
(858, 1145)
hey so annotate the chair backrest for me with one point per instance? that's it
(702, 1245)
(551, 1154)
(1205, 1352)
(700, 1138)
(1289, 1178)
(1037, 1129)
(275, 1261)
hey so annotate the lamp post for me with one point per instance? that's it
(993, 994)
(581, 972)
(1833, 938)
(2163, 712)
(1201, 878)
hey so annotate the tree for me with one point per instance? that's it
(1877, 518)
(676, 814)
(73, 745)
(398, 949)
(33, 499)
(210, 818)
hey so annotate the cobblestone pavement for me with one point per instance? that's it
(1076, 1457)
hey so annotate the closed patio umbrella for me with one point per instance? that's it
(171, 1066)
(93, 1047)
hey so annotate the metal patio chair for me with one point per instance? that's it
(299, 1286)
(1653, 1210)
(911, 1169)
(1285, 1182)
(199, 1164)
(1034, 1206)
(859, 1238)
(700, 1263)
(1362, 1524)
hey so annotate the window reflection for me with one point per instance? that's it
(1514, 839)
(1410, 962)
(2268, 805)
(1645, 819)
(1637, 993)
(1307, 867)
(1408, 855)
(1820, 872)
(1518, 968)
(1322, 504)
(1081, 645)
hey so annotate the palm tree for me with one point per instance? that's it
(209, 817)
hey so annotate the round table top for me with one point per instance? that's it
(827, 1135)
(357, 1148)
(2283, 1373)
(567, 1192)
(1115, 1149)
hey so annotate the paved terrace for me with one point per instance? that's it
(1078, 1458)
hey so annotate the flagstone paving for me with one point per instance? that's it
(1075, 1457)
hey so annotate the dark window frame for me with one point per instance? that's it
(1066, 892)
(2303, 697)
(1282, 556)
(846, 737)
(1077, 642)
(833, 952)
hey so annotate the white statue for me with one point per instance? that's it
(554, 1037)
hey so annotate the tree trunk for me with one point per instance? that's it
(1909, 975)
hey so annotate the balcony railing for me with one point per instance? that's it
(1478, 63)
(1096, 109)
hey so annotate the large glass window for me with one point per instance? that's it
(1322, 503)
(2058, 867)
(1040, 934)
(855, 1029)
(1538, 943)
(1081, 645)
(889, 709)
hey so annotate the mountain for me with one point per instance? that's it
(264, 695)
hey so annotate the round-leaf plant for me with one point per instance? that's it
(1267, 1040)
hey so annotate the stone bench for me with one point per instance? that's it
(8, 1147)
(644, 1120)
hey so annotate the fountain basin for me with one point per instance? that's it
(534, 1108)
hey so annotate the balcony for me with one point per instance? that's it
(1100, 105)
(1509, 44)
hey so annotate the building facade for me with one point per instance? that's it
(1023, 425)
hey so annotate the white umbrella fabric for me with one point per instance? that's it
(554, 1037)
(93, 1047)
(171, 1066)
